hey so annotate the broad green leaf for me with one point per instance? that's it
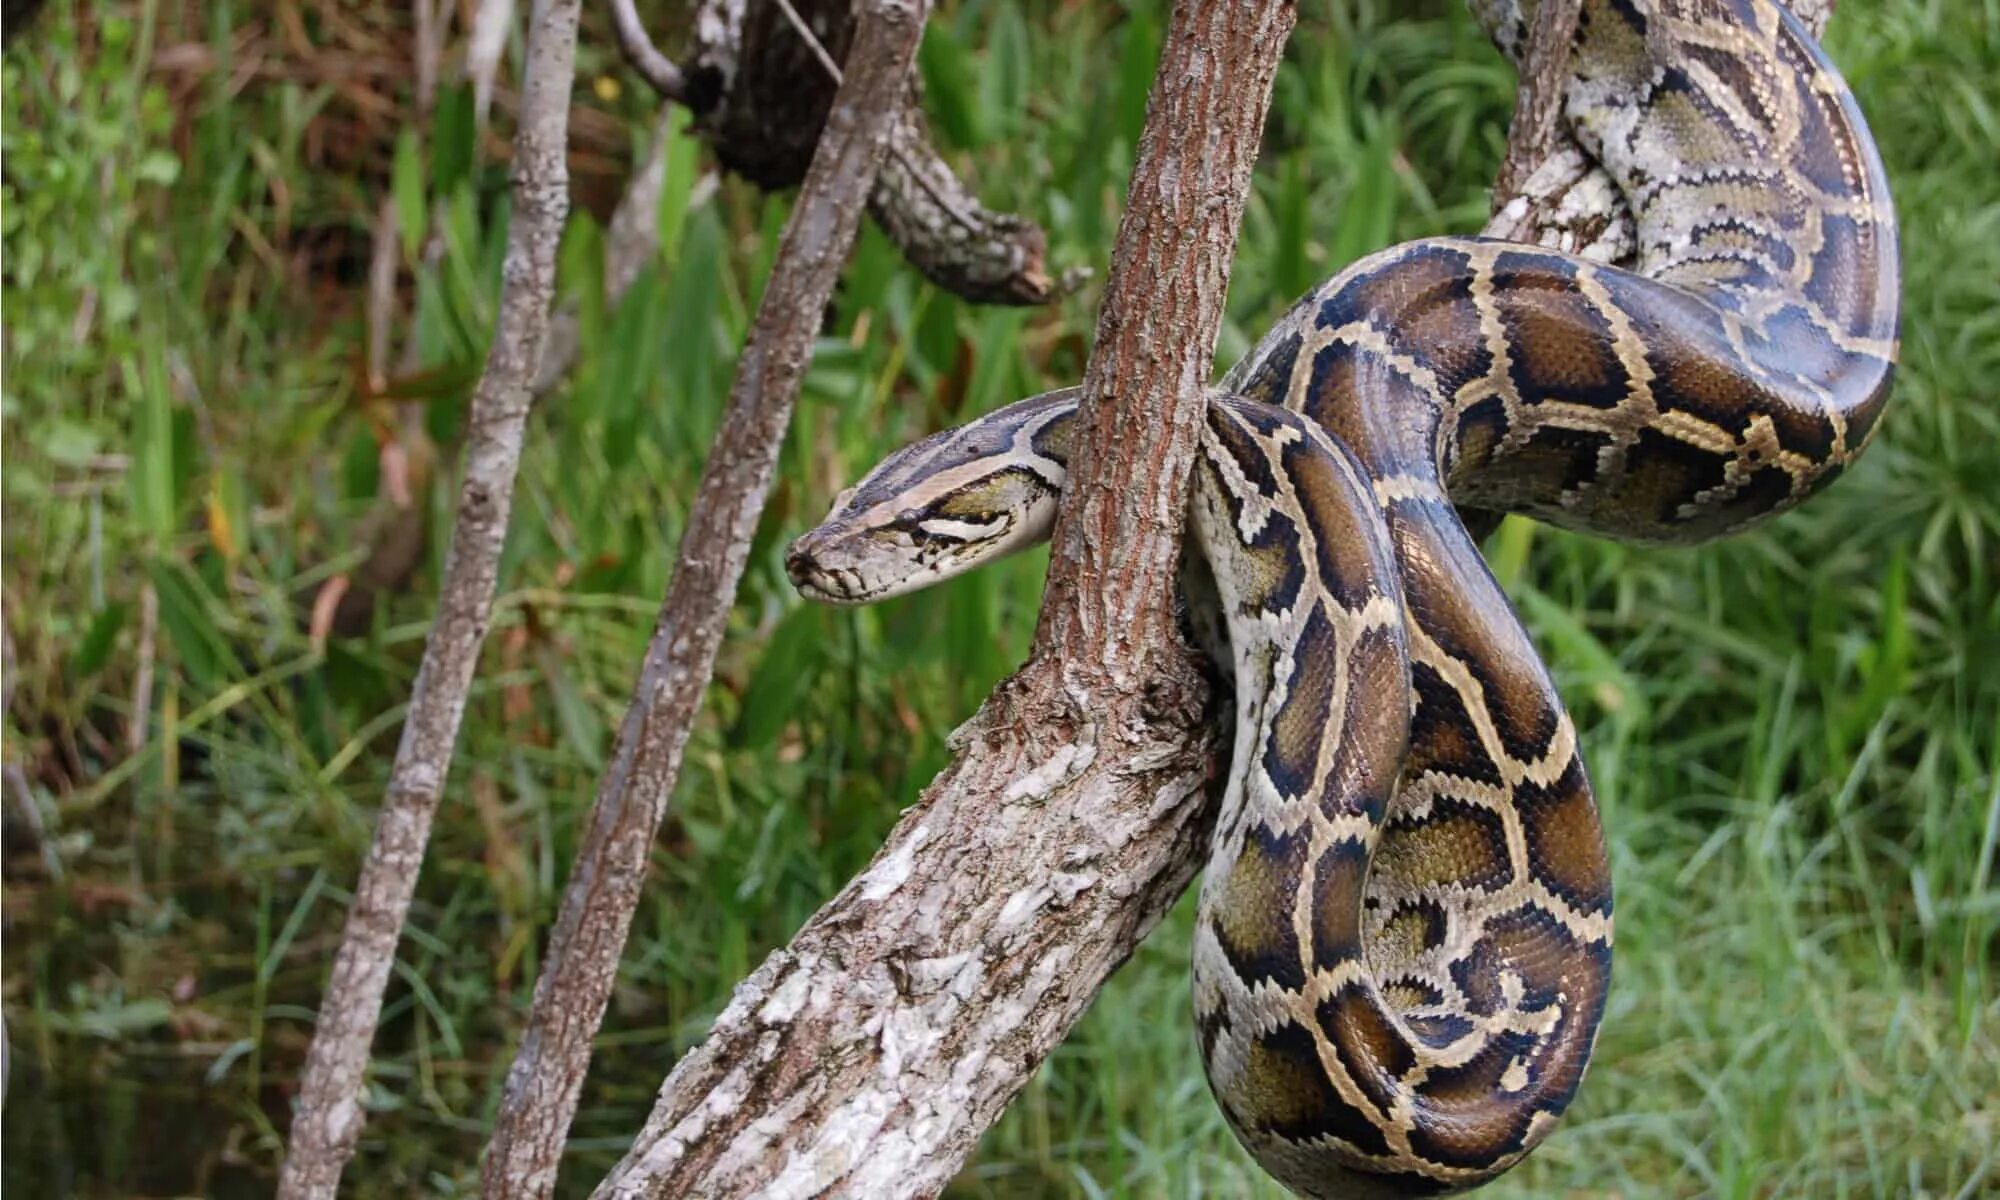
(1366, 221)
(682, 166)
(454, 138)
(1292, 213)
(406, 185)
(1008, 79)
(784, 677)
(95, 648)
(950, 89)
(995, 350)
(187, 617)
(628, 366)
(1137, 64)
(153, 470)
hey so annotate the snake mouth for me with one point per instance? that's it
(816, 581)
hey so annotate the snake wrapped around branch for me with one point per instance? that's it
(1403, 943)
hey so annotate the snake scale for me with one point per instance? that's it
(1403, 943)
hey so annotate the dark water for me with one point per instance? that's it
(91, 1120)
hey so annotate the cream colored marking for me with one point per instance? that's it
(1401, 489)
(964, 531)
(1543, 771)
(1499, 377)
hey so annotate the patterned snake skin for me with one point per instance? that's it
(1403, 944)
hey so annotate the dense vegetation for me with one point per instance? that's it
(1796, 735)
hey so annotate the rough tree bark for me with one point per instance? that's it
(604, 884)
(328, 1118)
(1537, 129)
(867, 1057)
(760, 81)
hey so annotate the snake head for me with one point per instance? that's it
(940, 507)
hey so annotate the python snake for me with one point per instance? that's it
(1403, 943)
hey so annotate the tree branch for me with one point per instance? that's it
(329, 1117)
(483, 48)
(867, 1057)
(760, 82)
(1536, 129)
(604, 884)
(944, 231)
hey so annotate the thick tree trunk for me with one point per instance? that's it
(867, 1057)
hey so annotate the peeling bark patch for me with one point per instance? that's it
(892, 869)
(786, 1002)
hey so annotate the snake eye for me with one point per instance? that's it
(967, 531)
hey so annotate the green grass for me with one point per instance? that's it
(1795, 735)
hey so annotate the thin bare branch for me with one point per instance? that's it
(30, 815)
(604, 884)
(490, 22)
(947, 234)
(653, 67)
(145, 656)
(433, 19)
(1536, 130)
(866, 1058)
(811, 39)
(329, 1116)
(383, 262)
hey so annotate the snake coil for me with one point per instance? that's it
(1403, 944)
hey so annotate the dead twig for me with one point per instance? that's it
(653, 67)
(145, 657)
(328, 1119)
(30, 815)
(762, 76)
(604, 884)
(490, 22)
(433, 19)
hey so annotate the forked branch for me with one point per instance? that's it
(654, 67)
(867, 1057)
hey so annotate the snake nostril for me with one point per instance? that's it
(798, 560)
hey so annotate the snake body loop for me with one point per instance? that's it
(1403, 945)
